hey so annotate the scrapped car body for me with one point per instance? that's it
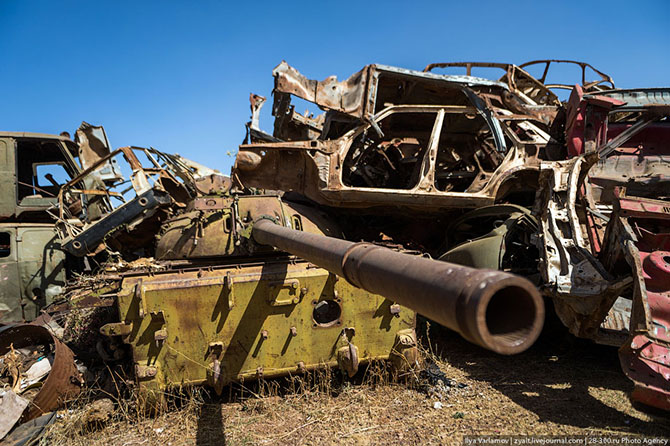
(397, 138)
(604, 230)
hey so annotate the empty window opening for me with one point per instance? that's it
(5, 244)
(37, 162)
(391, 161)
(466, 154)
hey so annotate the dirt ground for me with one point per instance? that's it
(560, 386)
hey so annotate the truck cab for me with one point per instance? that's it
(32, 264)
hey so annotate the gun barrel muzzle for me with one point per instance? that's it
(499, 311)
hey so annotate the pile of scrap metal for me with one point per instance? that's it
(58, 201)
(497, 174)
(246, 285)
(605, 230)
(37, 374)
(35, 262)
(475, 197)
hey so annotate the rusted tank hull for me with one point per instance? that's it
(494, 309)
(273, 317)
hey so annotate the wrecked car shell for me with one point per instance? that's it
(604, 228)
(459, 147)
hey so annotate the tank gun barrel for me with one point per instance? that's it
(494, 309)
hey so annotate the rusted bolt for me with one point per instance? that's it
(294, 285)
(301, 366)
(303, 291)
(216, 368)
(395, 310)
(145, 371)
(294, 331)
(264, 334)
(160, 336)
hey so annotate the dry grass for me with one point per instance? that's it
(563, 386)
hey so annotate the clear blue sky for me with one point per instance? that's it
(177, 75)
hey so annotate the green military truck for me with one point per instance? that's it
(32, 265)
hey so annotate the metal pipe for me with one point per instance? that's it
(494, 309)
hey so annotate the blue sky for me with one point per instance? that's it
(176, 75)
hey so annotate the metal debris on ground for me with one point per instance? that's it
(435, 383)
(37, 373)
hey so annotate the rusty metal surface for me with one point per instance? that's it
(431, 178)
(604, 231)
(268, 318)
(645, 355)
(215, 227)
(94, 145)
(604, 83)
(517, 80)
(493, 309)
(161, 183)
(62, 383)
(397, 138)
(571, 273)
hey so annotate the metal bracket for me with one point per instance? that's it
(286, 292)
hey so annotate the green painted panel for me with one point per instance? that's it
(7, 178)
(41, 266)
(10, 290)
